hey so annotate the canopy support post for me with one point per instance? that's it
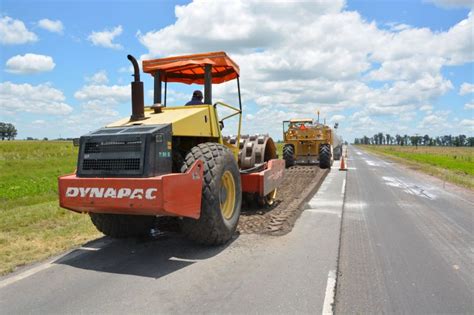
(238, 90)
(208, 84)
(166, 91)
(157, 88)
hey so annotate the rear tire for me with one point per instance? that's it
(324, 156)
(121, 225)
(337, 153)
(221, 195)
(289, 155)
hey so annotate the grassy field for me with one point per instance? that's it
(32, 226)
(279, 146)
(453, 164)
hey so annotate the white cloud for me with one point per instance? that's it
(337, 118)
(29, 63)
(450, 4)
(98, 78)
(426, 108)
(111, 95)
(466, 88)
(469, 106)
(39, 99)
(14, 32)
(98, 107)
(320, 56)
(435, 120)
(106, 38)
(52, 26)
(469, 123)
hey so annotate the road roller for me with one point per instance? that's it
(174, 160)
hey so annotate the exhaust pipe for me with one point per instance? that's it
(138, 102)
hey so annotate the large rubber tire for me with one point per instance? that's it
(212, 227)
(121, 225)
(289, 155)
(337, 153)
(324, 156)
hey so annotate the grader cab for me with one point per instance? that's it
(173, 161)
(309, 142)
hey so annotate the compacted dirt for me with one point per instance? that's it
(299, 184)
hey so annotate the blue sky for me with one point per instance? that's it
(389, 66)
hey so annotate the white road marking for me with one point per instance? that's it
(408, 187)
(50, 263)
(184, 259)
(25, 274)
(329, 296)
(343, 190)
(92, 249)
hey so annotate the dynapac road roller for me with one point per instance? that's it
(173, 161)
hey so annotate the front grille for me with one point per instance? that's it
(130, 151)
(111, 164)
(113, 146)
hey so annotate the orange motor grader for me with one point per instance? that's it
(173, 161)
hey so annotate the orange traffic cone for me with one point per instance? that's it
(343, 166)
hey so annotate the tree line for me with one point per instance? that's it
(7, 131)
(426, 140)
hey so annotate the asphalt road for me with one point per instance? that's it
(407, 243)
(290, 274)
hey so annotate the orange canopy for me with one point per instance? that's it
(189, 69)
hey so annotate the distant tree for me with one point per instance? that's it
(470, 141)
(45, 139)
(11, 132)
(29, 138)
(398, 139)
(426, 140)
(3, 130)
(7, 131)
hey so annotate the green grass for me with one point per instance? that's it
(279, 146)
(32, 225)
(453, 164)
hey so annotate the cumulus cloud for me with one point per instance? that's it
(105, 38)
(450, 4)
(52, 26)
(111, 95)
(319, 57)
(466, 88)
(29, 63)
(468, 123)
(426, 108)
(98, 78)
(337, 118)
(14, 32)
(469, 106)
(38, 99)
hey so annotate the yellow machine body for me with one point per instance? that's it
(306, 137)
(186, 121)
